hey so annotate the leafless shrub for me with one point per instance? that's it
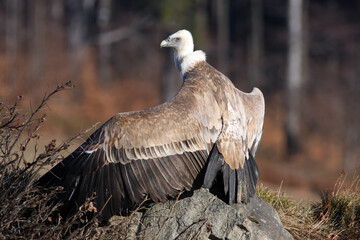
(25, 211)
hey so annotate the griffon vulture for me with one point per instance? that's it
(160, 151)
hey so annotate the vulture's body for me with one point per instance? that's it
(160, 151)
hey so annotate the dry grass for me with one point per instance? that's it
(337, 216)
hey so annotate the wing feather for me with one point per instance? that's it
(165, 182)
(160, 194)
(232, 185)
(173, 185)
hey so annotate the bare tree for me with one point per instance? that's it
(76, 33)
(11, 38)
(200, 29)
(37, 40)
(223, 33)
(171, 82)
(57, 9)
(294, 74)
(256, 43)
(351, 98)
(104, 14)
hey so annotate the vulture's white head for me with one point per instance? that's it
(184, 55)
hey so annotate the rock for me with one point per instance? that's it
(204, 216)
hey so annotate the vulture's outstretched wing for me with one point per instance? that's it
(158, 152)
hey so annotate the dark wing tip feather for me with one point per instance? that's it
(253, 166)
(81, 175)
(248, 175)
(239, 184)
(232, 186)
(215, 163)
(226, 175)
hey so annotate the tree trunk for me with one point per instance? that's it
(256, 44)
(200, 30)
(294, 74)
(171, 78)
(104, 14)
(223, 26)
(57, 9)
(351, 116)
(11, 40)
(76, 32)
(37, 41)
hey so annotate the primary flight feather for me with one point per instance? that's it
(160, 151)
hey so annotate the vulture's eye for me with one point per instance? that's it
(177, 39)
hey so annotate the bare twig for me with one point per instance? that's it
(34, 113)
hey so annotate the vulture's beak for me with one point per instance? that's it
(166, 43)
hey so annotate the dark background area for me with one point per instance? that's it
(110, 50)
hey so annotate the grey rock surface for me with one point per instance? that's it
(204, 216)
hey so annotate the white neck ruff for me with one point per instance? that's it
(188, 62)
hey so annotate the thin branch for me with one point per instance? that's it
(33, 114)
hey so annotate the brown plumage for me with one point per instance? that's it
(161, 151)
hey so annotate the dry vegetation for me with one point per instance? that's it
(337, 216)
(25, 212)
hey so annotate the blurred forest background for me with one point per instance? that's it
(304, 55)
